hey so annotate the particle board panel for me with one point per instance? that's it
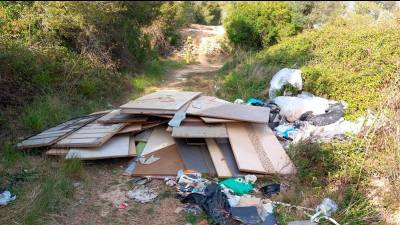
(116, 116)
(144, 135)
(246, 155)
(57, 152)
(196, 157)
(153, 112)
(217, 156)
(100, 135)
(118, 146)
(158, 139)
(199, 130)
(52, 135)
(162, 100)
(216, 120)
(169, 163)
(225, 146)
(133, 128)
(273, 150)
(207, 106)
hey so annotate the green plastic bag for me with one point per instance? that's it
(237, 185)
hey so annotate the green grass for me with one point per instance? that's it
(72, 167)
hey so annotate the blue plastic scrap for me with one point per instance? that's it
(255, 102)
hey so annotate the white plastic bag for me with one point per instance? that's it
(282, 77)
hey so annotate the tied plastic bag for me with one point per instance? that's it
(6, 197)
(283, 77)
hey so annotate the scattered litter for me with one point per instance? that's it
(267, 215)
(193, 209)
(239, 101)
(255, 102)
(325, 210)
(283, 77)
(123, 206)
(140, 180)
(247, 215)
(238, 185)
(214, 202)
(6, 197)
(302, 222)
(250, 178)
(131, 167)
(271, 189)
(149, 160)
(142, 195)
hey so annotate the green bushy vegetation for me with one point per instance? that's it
(256, 25)
(361, 55)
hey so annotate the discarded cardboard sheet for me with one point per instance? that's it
(118, 146)
(217, 156)
(208, 106)
(158, 139)
(116, 116)
(52, 135)
(168, 164)
(199, 130)
(245, 154)
(162, 100)
(91, 135)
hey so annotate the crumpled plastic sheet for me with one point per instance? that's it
(283, 77)
(142, 195)
(6, 197)
(214, 202)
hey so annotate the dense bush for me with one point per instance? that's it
(348, 60)
(258, 24)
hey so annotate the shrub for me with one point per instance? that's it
(258, 24)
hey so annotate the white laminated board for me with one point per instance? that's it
(199, 130)
(158, 139)
(217, 156)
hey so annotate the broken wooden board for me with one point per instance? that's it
(158, 139)
(52, 135)
(116, 116)
(247, 157)
(153, 124)
(162, 100)
(91, 135)
(168, 164)
(273, 150)
(196, 157)
(118, 146)
(207, 106)
(133, 128)
(57, 152)
(217, 156)
(144, 135)
(199, 130)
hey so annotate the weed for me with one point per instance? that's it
(9, 155)
(72, 167)
(166, 194)
(150, 211)
(191, 218)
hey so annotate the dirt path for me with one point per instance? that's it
(208, 56)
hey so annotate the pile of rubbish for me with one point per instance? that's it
(167, 131)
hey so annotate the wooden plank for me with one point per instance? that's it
(100, 136)
(199, 130)
(217, 120)
(144, 135)
(168, 164)
(245, 154)
(133, 128)
(117, 147)
(132, 145)
(57, 152)
(154, 124)
(196, 157)
(162, 100)
(153, 112)
(273, 150)
(225, 146)
(207, 106)
(159, 139)
(49, 137)
(218, 159)
(101, 112)
(116, 116)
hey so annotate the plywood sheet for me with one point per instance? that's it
(162, 100)
(153, 112)
(273, 150)
(91, 135)
(52, 135)
(225, 146)
(118, 146)
(199, 130)
(196, 157)
(207, 106)
(168, 164)
(116, 116)
(245, 153)
(158, 139)
(220, 164)
(133, 128)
